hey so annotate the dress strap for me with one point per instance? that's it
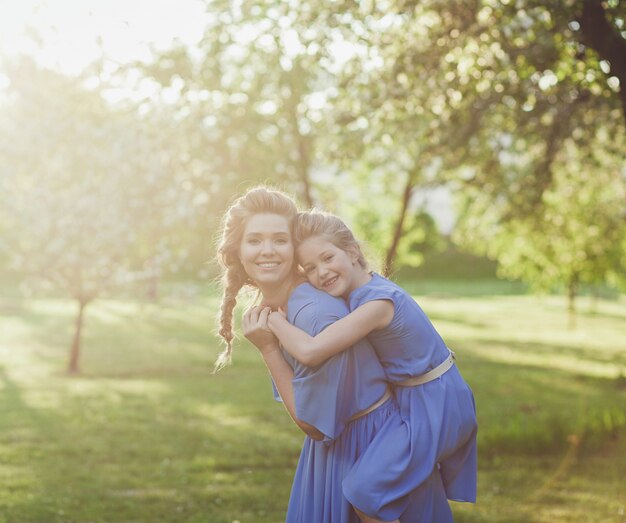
(431, 375)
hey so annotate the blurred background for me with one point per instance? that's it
(478, 147)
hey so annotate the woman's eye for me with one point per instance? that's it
(281, 241)
(328, 258)
(253, 241)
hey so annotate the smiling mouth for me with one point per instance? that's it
(268, 265)
(330, 282)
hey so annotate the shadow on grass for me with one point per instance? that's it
(175, 450)
(460, 319)
(537, 410)
(582, 313)
(451, 288)
(584, 355)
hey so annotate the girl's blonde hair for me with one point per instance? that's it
(330, 227)
(259, 200)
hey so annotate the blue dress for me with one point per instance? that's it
(441, 414)
(326, 397)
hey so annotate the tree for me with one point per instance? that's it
(255, 92)
(417, 93)
(579, 237)
(266, 74)
(492, 90)
(81, 184)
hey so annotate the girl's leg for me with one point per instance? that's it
(367, 519)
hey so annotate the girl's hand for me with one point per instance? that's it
(276, 318)
(255, 329)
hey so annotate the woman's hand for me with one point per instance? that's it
(256, 330)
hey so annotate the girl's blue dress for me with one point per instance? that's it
(441, 414)
(326, 397)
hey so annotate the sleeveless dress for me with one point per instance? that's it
(326, 397)
(441, 414)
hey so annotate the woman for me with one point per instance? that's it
(342, 405)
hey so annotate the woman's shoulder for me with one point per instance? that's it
(306, 295)
(304, 292)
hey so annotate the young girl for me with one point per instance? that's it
(433, 397)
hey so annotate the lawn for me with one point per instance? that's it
(147, 434)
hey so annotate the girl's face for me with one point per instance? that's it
(329, 268)
(266, 250)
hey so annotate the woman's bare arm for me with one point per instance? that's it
(254, 326)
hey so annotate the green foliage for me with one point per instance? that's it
(253, 92)
(370, 219)
(360, 107)
(421, 236)
(347, 103)
(576, 237)
(85, 193)
(499, 94)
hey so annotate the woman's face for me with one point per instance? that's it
(266, 249)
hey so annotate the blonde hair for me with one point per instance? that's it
(258, 200)
(330, 227)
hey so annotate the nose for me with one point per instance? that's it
(267, 247)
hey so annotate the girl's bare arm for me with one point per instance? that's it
(335, 338)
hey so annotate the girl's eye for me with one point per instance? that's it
(281, 241)
(253, 241)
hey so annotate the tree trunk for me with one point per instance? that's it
(73, 367)
(572, 291)
(604, 38)
(593, 303)
(304, 163)
(153, 288)
(392, 251)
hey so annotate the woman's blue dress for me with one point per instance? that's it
(326, 397)
(441, 414)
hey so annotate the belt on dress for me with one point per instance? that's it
(373, 406)
(431, 375)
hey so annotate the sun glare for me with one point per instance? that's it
(69, 34)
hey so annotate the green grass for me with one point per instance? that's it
(147, 434)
